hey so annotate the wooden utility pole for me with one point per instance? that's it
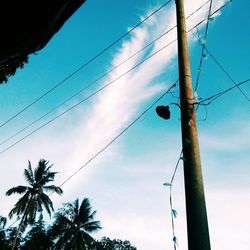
(197, 225)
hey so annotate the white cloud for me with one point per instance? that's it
(131, 201)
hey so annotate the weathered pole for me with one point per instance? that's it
(197, 225)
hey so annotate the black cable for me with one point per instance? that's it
(223, 69)
(131, 124)
(99, 78)
(220, 66)
(113, 140)
(45, 124)
(203, 46)
(85, 64)
(121, 133)
(209, 100)
(86, 98)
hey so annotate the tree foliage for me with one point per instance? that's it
(37, 238)
(34, 198)
(116, 244)
(73, 225)
(9, 67)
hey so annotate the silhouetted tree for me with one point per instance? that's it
(9, 67)
(73, 225)
(34, 199)
(116, 244)
(10, 236)
(37, 238)
(3, 241)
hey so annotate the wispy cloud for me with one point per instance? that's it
(102, 119)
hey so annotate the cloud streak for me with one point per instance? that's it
(130, 198)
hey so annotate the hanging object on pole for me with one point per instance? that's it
(163, 112)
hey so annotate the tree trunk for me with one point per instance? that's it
(21, 224)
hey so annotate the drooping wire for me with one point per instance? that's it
(115, 138)
(223, 69)
(173, 212)
(95, 81)
(174, 85)
(203, 46)
(121, 133)
(209, 100)
(86, 98)
(98, 79)
(220, 65)
(85, 64)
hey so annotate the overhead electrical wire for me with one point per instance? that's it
(85, 64)
(223, 69)
(203, 101)
(98, 79)
(207, 101)
(114, 139)
(220, 65)
(130, 125)
(99, 90)
(203, 45)
(86, 98)
(121, 133)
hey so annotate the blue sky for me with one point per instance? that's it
(125, 182)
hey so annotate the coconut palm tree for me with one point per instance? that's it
(73, 225)
(34, 199)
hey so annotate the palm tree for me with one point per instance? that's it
(73, 225)
(34, 198)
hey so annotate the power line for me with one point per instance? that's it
(99, 78)
(85, 64)
(209, 100)
(113, 140)
(121, 133)
(86, 98)
(203, 46)
(223, 69)
(130, 125)
(220, 65)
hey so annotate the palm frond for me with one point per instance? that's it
(53, 188)
(20, 206)
(31, 212)
(17, 190)
(85, 210)
(47, 203)
(87, 238)
(28, 174)
(47, 177)
(92, 226)
(92, 215)
(3, 222)
(40, 170)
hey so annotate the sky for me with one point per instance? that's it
(125, 182)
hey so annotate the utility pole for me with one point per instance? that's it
(197, 225)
